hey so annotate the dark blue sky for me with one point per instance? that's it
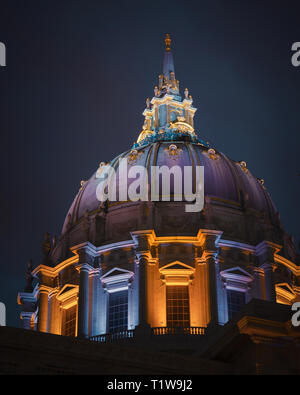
(77, 77)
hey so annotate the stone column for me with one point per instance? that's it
(258, 291)
(200, 308)
(210, 258)
(142, 240)
(269, 282)
(29, 303)
(43, 309)
(83, 302)
(26, 319)
(95, 318)
(265, 254)
(136, 296)
(140, 271)
(221, 293)
(54, 314)
(209, 240)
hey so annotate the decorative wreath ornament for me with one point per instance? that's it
(243, 166)
(133, 156)
(173, 151)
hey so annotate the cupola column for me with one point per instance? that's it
(210, 259)
(26, 319)
(265, 254)
(209, 241)
(54, 324)
(83, 302)
(259, 278)
(200, 284)
(96, 284)
(269, 282)
(43, 308)
(142, 257)
(87, 254)
(140, 271)
(29, 303)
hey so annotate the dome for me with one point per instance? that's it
(147, 253)
(229, 187)
(235, 201)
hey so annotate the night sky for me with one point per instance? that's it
(74, 88)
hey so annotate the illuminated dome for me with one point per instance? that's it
(230, 189)
(119, 265)
(235, 201)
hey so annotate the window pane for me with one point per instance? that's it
(118, 311)
(70, 321)
(178, 309)
(236, 301)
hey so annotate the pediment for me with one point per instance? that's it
(236, 272)
(117, 271)
(67, 288)
(177, 265)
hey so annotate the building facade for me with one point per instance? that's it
(131, 268)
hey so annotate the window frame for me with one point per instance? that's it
(168, 307)
(116, 280)
(124, 327)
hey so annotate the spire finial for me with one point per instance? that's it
(168, 42)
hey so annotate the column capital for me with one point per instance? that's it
(267, 266)
(26, 315)
(95, 271)
(142, 257)
(53, 292)
(27, 297)
(207, 235)
(88, 247)
(26, 318)
(143, 239)
(200, 261)
(209, 254)
(267, 247)
(87, 253)
(45, 289)
(209, 240)
(83, 267)
(258, 270)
